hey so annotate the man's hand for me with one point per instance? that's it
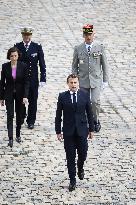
(104, 85)
(91, 135)
(2, 102)
(42, 84)
(25, 101)
(60, 137)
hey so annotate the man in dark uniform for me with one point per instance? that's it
(32, 55)
(77, 125)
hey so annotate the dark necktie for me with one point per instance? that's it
(26, 46)
(74, 99)
(89, 50)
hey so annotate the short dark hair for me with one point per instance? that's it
(72, 76)
(11, 50)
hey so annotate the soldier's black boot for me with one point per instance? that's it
(97, 126)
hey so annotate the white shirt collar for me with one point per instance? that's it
(87, 45)
(27, 43)
(71, 92)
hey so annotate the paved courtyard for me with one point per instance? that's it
(35, 173)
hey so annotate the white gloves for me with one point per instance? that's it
(25, 101)
(104, 85)
(41, 84)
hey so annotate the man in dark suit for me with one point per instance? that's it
(77, 125)
(32, 55)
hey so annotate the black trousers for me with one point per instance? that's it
(10, 115)
(32, 107)
(72, 144)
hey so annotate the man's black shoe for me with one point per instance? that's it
(22, 121)
(18, 139)
(31, 126)
(81, 174)
(72, 186)
(10, 143)
(97, 126)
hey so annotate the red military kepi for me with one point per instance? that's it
(88, 28)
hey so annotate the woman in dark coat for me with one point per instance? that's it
(14, 88)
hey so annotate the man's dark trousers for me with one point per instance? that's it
(32, 108)
(71, 144)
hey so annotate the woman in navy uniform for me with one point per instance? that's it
(32, 55)
(14, 87)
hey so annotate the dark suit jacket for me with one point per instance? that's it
(32, 58)
(8, 84)
(78, 118)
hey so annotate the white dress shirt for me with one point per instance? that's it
(28, 44)
(71, 93)
(87, 45)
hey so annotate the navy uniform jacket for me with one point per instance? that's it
(78, 118)
(32, 58)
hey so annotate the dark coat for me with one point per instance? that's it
(80, 118)
(32, 57)
(8, 84)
